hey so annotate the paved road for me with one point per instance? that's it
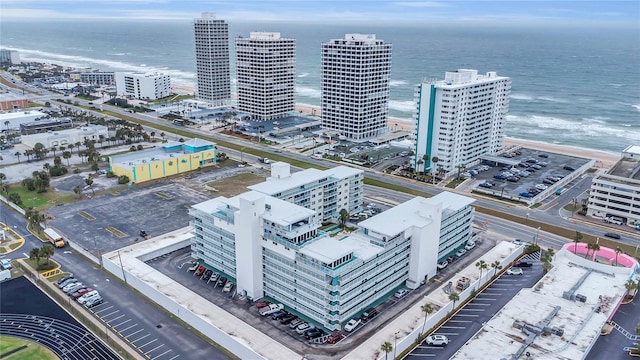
(467, 321)
(611, 347)
(138, 321)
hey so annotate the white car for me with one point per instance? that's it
(541, 186)
(514, 271)
(470, 245)
(437, 340)
(304, 327)
(461, 252)
(85, 297)
(443, 264)
(400, 293)
(351, 325)
(518, 242)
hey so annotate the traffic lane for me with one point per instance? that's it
(179, 339)
(610, 346)
(466, 322)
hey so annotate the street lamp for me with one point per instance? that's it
(395, 342)
(537, 236)
(504, 184)
(527, 218)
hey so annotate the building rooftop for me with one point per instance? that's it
(398, 218)
(632, 149)
(4, 116)
(581, 322)
(283, 212)
(451, 202)
(162, 152)
(341, 172)
(277, 185)
(330, 249)
(629, 164)
(86, 128)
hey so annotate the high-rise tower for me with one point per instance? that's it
(266, 67)
(355, 85)
(212, 59)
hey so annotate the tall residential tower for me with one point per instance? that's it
(460, 119)
(355, 85)
(266, 67)
(212, 59)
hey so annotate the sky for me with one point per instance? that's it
(626, 13)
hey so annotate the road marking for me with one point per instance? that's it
(425, 355)
(111, 313)
(155, 348)
(116, 318)
(168, 351)
(175, 357)
(97, 312)
(467, 315)
(129, 328)
(141, 338)
(133, 333)
(464, 309)
(446, 333)
(124, 322)
(452, 327)
(478, 304)
(141, 346)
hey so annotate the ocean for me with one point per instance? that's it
(576, 86)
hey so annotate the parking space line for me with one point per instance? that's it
(155, 348)
(124, 322)
(460, 321)
(477, 304)
(467, 315)
(99, 311)
(447, 333)
(452, 327)
(175, 357)
(168, 351)
(465, 309)
(123, 330)
(109, 314)
(116, 318)
(141, 338)
(141, 346)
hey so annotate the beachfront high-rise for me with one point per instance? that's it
(459, 119)
(212, 59)
(143, 86)
(266, 67)
(355, 85)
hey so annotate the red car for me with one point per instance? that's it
(335, 337)
(199, 271)
(261, 304)
(81, 292)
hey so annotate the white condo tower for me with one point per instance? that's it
(212, 59)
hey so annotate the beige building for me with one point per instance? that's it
(66, 137)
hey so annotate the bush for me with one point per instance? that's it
(29, 183)
(110, 174)
(77, 171)
(132, 148)
(58, 171)
(140, 147)
(15, 198)
(123, 179)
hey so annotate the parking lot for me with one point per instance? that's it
(468, 320)
(540, 166)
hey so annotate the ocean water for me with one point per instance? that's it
(571, 85)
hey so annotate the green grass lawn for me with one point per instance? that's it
(39, 200)
(32, 351)
(42, 264)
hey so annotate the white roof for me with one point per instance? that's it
(451, 202)
(275, 186)
(580, 323)
(282, 212)
(19, 114)
(343, 172)
(632, 149)
(398, 218)
(329, 249)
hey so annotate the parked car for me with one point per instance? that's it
(500, 177)
(287, 319)
(351, 325)
(437, 340)
(523, 264)
(72, 287)
(470, 245)
(64, 278)
(612, 235)
(525, 173)
(214, 278)
(295, 322)
(278, 314)
(222, 281)
(207, 274)
(261, 304)
(451, 258)
(84, 298)
(228, 286)
(543, 155)
(541, 186)
(368, 314)
(515, 271)
(270, 309)
(442, 264)
(525, 194)
(314, 333)
(486, 185)
(67, 282)
(547, 181)
(461, 252)
(199, 271)
(536, 166)
(531, 161)
(76, 294)
(70, 284)
(519, 242)
(303, 327)
(400, 293)
(335, 337)
(97, 300)
(569, 168)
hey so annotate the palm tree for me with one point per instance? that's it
(589, 248)
(425, 158)
(454, 297)
(496, 266)
(386, 347)
(481, 265)
(78, 191)
(420, 162)
(343, 217)
(89, 182)
(67, 155)
(54, 149)
(34, 254)
(46, 251)
(162, 135)
(595, 247)
(618, 251)
(632, 287)
(434, 160)
(17, 154)
(427, 309)
(460, 168)
(576, 239)
(153, 135)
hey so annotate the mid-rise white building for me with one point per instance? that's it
(11, 120)
(212, 59)
(266, 68)
(9, 57)
(274, 248)
(616, 193)
(143, 86)
(355, 85)
(324, 191)
(460, 119)
(98, 78)
(67, 137)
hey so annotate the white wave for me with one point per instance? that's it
(637, 106)
(546, 98)
(303, 75)
(521, 97)
(118, 54)
(308, 92)
(76, 61)
(397, 82)
(407, 106)
(616, 85)
(576, 129)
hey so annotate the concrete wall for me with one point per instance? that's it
(165, 250)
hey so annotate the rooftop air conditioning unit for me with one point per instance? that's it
(581, 298)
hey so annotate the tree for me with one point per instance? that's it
(162, 135)
(454, 297)
(427, 309)
(576, 239)
(496, 266)
(632, 287)
(89, 182)
(15, 198)
(386, 347)
(46, 251)
(434, 160)
(589, 248)
(343, 217)
(34, 254)
(39, 151)
(425, 158)
(54, 149)
(481, 265)
(153, 135)
(420, 162)
(17, 154)
(3, 177)
(78, 191)
(595, 247)
(34, 218)
(67, 155)
(460, 168)
(618, 251)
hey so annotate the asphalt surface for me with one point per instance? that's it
(26, 312)
(148, 319)
(611, 347)
(470, 319)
